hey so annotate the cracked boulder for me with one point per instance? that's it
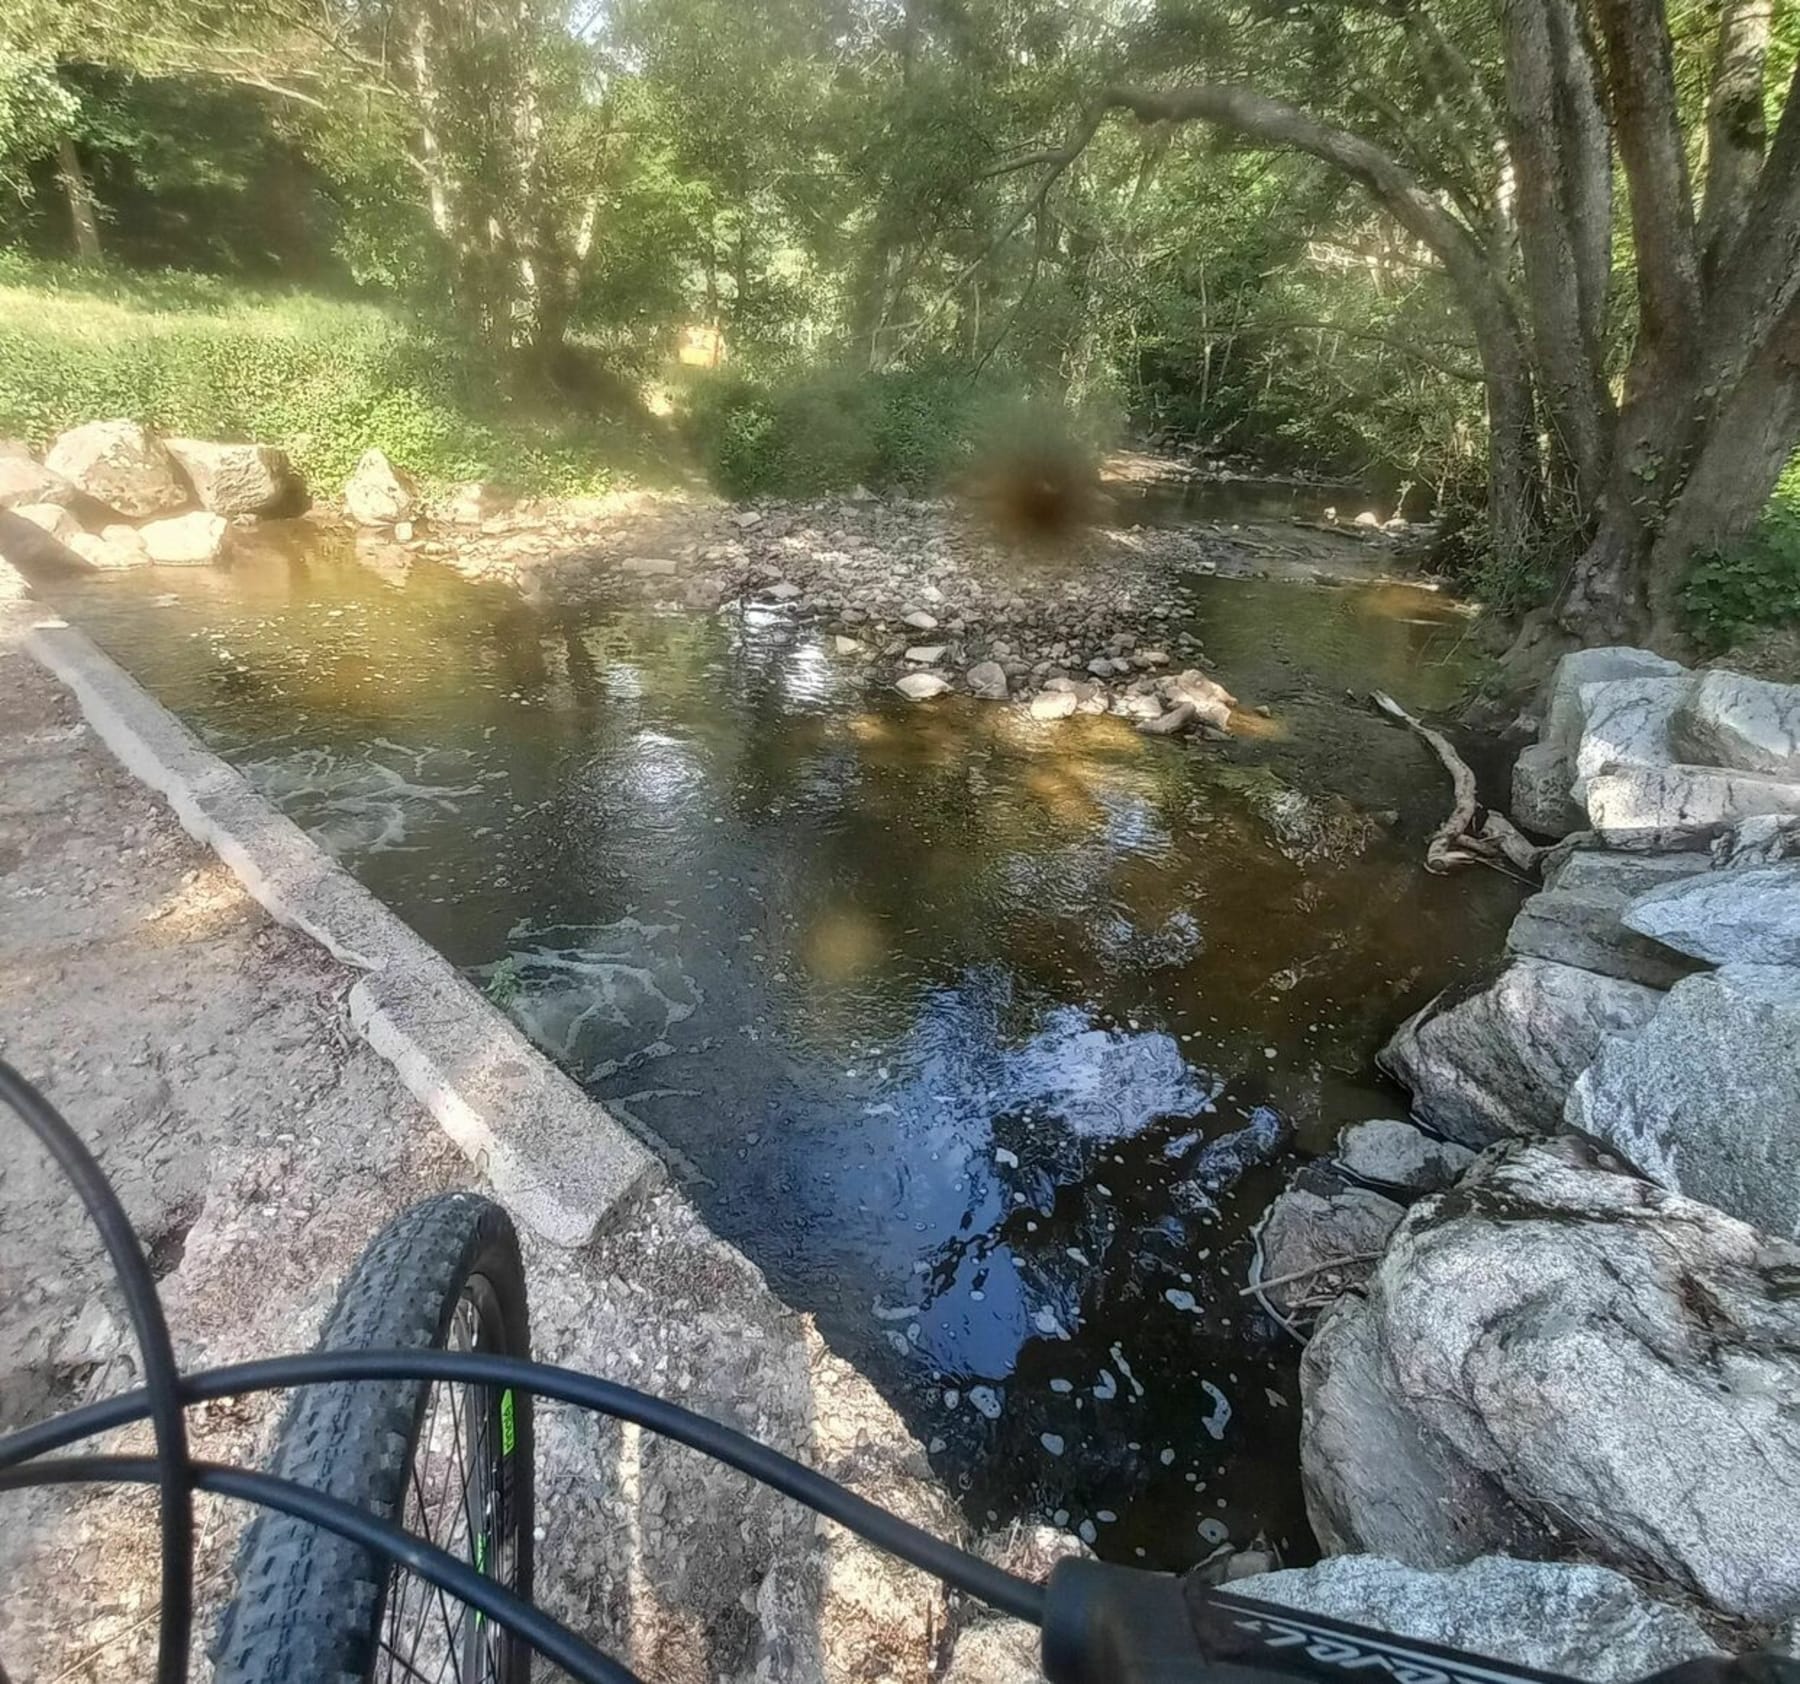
(1613, 1362)
(121, 466)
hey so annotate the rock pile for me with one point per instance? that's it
(112, 494)
(1586, 1342)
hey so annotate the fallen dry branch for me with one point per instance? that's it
(1472, 834)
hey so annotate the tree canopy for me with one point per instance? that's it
(1536, 257)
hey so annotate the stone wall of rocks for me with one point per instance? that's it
(1583, 1344)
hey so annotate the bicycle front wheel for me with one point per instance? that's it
(451, 1462)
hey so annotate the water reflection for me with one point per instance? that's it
(987, 1039)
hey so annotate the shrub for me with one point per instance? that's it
(1751, 584)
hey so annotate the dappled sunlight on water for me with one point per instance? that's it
(988, 1039)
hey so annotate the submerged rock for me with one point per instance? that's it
(190, 540)
(1616, 1356)
(1675, 807)
(1392, 1153)
(1580, 1622)
(922, 686)
(377, 493)
(118, 464)
(1706, 1099)
(1745, 915)
(1501, 1061)
(1748, 724)
(1315, 1246)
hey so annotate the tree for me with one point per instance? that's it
(1626, 434)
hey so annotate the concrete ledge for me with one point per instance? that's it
(562, 1165)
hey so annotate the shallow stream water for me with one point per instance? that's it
(946, 1014)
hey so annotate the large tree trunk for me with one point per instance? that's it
(84, 218)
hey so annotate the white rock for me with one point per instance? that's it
(1398, 1154)
(926, 654)
(1619, 1356)
(113, 547)
(1053, 704)
(846, 645)
(1541, 802)
(25, 482)
(922, 686)
(121, 465)
(1745, 723)
(919, 620)
(1746, 915)
(987, 679)
(236, 479)
(191, 540)
(1565, 716)
(1627, 724)
(52, 518)
(1675, 807)
(377, 493)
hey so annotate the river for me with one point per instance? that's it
(941, 1012)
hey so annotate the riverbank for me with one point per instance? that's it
(208, 1056)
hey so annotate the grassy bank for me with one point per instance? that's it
(323, 378)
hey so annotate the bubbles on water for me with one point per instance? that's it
(600, 997)
(368, 803)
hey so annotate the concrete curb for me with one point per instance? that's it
(561, 1163)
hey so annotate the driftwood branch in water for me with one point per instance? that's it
(1471, 835)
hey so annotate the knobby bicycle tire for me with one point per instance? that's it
(311, 1607)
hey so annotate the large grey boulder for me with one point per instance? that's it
(1627, 724)
(1578, 917)
(1652, 808)
(377, 493)
(24, 482)
(1378, 1480)
(121, 465)
(1749, 915)
(1314, 1245)
(987, 679)
(1541, 782)
(1706, 1099)
(1577, 1621)
(1620, 1359)
(1392, 1153)
(1500, 1061)
(1745, 723)
(53, 518)
(236, 479)
(1565, 714)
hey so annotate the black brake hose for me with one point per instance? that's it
(161, 1396)
(554, 1641)
(1005, 1591)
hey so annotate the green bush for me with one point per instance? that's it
(1755, 583)
(815, 431)
(324, 379)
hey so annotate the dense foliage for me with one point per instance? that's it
(1313, 231)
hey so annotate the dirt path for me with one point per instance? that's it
(204, 1053)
